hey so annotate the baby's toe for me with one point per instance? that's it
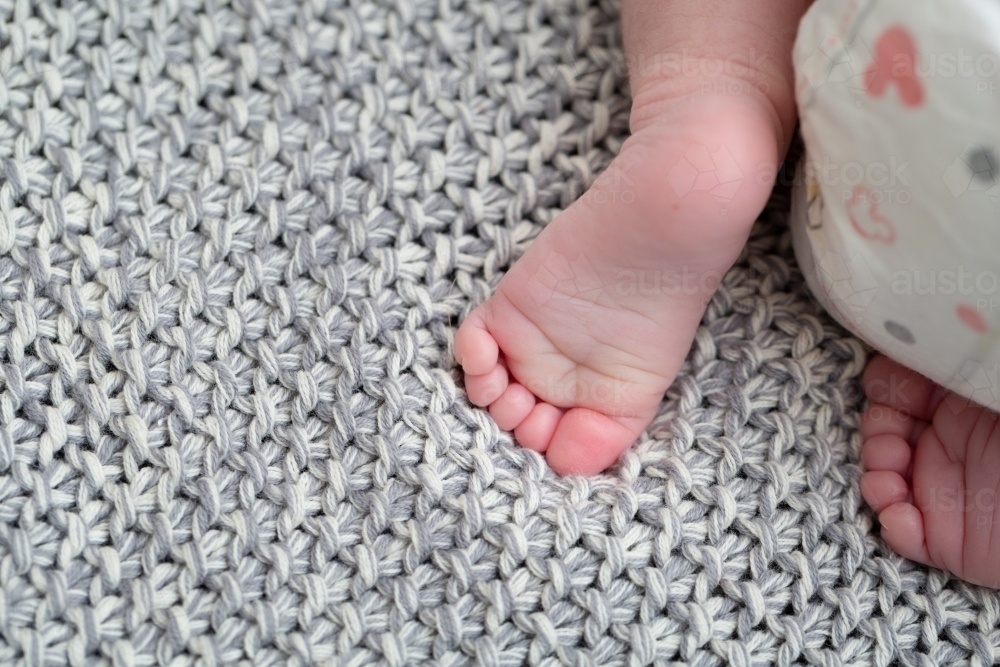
(510, 409)
(485, 389)
(883, 420)
(883, 488)
(587, 442)
(887, 452)
(537, 429)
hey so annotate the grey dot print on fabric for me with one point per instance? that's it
(899, 332)
(983, 162)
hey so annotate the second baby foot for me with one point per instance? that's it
(933, 472)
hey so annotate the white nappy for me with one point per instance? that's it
(895, 218)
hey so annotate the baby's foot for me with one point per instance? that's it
(933, 461)
(586, 331)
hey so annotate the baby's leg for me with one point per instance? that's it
(588, 329)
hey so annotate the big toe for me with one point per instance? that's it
(587, 442)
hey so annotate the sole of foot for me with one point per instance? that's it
(585, 333)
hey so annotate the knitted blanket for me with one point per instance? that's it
(235, 239)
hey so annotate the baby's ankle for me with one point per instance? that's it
(714, 82)
(705, 166)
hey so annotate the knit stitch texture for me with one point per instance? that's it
(235, 239)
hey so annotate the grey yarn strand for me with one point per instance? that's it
(235, 239)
